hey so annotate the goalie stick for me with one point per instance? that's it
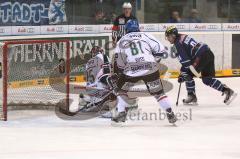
(87, 112)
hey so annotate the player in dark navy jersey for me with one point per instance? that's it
(197, 60)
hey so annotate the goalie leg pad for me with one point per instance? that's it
(121, 104)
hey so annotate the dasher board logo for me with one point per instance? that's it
(179, 26)
(54, 29)
(82, 29)
(6, 30)
(80, 51)
(149, 27)
(105, 28)
(34, 12)
(231, 26)
(206, 27)
(25, 30)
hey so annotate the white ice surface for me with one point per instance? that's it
(213, 133)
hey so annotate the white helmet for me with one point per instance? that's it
(127, 5)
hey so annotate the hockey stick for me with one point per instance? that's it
(90, 110)
(137, 90)
(179, 90)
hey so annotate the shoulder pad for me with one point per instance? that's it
(187, 39)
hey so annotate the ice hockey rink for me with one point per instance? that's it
(212, 132)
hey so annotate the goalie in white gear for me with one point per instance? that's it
(135, 58)
(99, 85)
(97, 70)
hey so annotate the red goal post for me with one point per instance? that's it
(34, 72)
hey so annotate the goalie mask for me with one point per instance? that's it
(96, 50)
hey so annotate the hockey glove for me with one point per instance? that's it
(180, 79)
(183, 77)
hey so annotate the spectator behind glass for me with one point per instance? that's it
(194, 17)
(175, 17)
(113, 16)
(100, 18)
(234, 20)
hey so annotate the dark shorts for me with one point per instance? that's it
(152, 82)
(206, 64)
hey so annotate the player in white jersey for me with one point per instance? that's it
(136, 57)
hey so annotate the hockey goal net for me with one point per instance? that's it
(33, 73)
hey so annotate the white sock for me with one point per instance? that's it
(121, 104)
(164, 102)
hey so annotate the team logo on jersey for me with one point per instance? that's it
(121, 21)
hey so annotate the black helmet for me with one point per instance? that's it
(171, 30)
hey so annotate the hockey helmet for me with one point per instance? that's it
(132, 26)
(171, 30)
(126, 5)
(96, 50)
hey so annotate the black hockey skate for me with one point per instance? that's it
(120, 117)
(171, 116)
(191, 99)
(133, 107)
(230, 95)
